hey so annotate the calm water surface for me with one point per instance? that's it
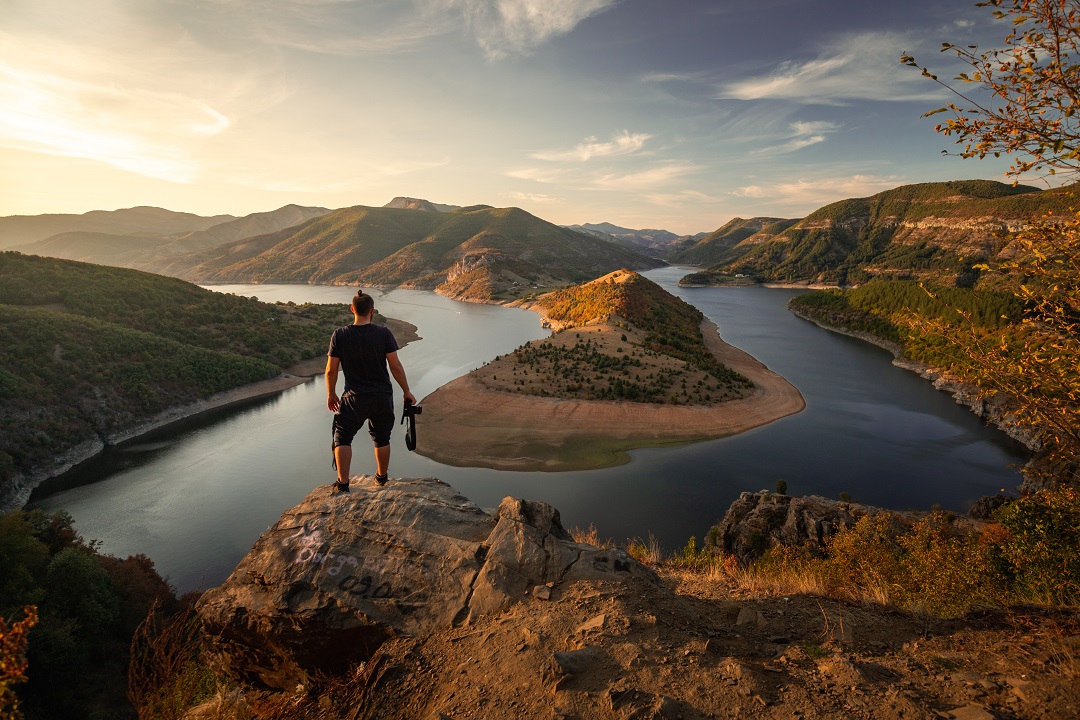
(196, 496)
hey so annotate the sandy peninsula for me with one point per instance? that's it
(467, 424)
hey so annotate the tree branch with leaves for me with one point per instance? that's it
(1031, 112)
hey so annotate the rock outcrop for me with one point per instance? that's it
(339, 574)
(759, 521)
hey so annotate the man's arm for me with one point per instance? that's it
(398, 372)
(333, 402)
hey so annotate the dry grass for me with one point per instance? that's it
(590, 536)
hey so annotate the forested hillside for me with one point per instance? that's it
(623, 337)
(928, 231)
(89, 350)
(476, 253)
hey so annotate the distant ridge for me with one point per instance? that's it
(927, 231)
(408, 203)
(716, 246)
(654, 242)
(477, 253)
(141, 250)
(23, 229)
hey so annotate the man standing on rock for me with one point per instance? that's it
(363, 351)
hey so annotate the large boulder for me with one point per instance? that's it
(340, 573)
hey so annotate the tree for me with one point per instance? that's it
(1033, 83)
(1032, 87)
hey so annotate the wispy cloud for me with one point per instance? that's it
(810, 193)
(505, 27)
(803, 134)
(651, 177)
(623, 143)
(862, 67)
(537, 198)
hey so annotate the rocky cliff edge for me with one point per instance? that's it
(341, 573)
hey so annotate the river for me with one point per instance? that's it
(194, 497)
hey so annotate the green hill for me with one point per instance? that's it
(720, 245)
(476, 253)
(930, 231)
(90, 350)
(141, 249)
(643, 344)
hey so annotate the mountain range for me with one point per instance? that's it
(478, 253)
(140, 248)
(935, 231)
(657, 243)
(23, 229)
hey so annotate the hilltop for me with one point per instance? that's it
(932, 231)
(717, 246)
(477, 253)
(629, 366)
(92, 354)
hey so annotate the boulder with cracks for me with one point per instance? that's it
(341, 573)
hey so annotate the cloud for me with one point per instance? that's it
(505, 27)
(537, 198)
(643, 179)
(803, 134)
(624, 143)
(540, 175)
(811, 193)
(862, 67)
(140, 129)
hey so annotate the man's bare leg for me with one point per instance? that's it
(343, 459)
(382, 460)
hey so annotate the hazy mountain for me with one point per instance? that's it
(23, 229)
(138, 250)
(478, 253)
(932, 231)
(656, 243)
(716, 246)
(408, 203)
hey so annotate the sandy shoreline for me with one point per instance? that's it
(465, 424)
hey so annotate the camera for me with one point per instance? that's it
(411, 409)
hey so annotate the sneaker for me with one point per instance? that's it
(340, 487)
(380, 480)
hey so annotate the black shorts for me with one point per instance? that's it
(377, 410)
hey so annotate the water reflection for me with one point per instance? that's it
(195, 497)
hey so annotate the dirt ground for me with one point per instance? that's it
(511, 431)
(605, 650)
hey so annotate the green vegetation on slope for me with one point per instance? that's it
(391, 246)
(89, 350)
(88, 608)
(661, 356)
(934, 231)
(672, 327)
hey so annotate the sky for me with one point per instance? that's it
(673, 114)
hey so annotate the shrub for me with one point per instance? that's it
(1041, 547)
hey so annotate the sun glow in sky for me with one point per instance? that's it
(675, 114)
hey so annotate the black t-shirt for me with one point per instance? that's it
(362, 350)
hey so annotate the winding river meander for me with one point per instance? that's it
(195, 496)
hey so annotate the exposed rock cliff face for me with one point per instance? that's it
(341, 573)
(475, 635)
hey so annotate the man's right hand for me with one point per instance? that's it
(333, 402)
(410, 399)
